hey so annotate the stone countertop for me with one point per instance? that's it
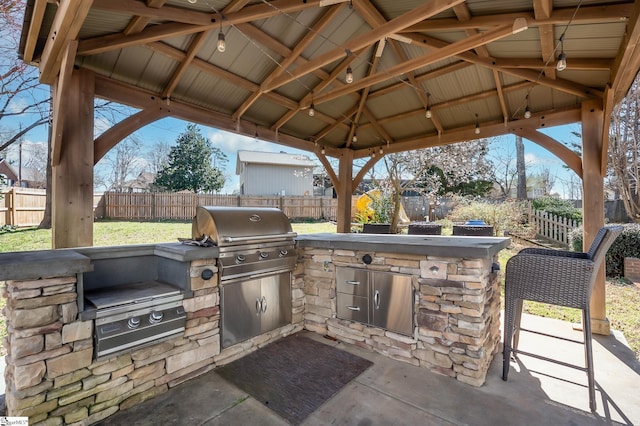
(430, 245)
(32, 265)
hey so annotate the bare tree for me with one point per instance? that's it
(521, 169)
(624, 150)
(123, 163)
(427, 170)
(157, 156)
(503, 172)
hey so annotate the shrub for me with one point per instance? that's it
(626, 245)
(503, 216)
(558, 207)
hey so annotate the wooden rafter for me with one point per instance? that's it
(138, 23)
(193, 49)
(418, 14)
(39, 7)
(542, 10)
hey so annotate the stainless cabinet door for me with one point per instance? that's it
(276, 301)
(391, 302)
(354, 308)
(241, 311)
(352, 281)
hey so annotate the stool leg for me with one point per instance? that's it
(586, 326)
(508, 335)
(517, 320)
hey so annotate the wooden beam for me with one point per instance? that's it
(66, 25)
(291, 57)
(192, 51)
(61, 92)
(627, 62)
(72, 178)
(362, 172)
(582, 64)
(585, 15)
(568, 157)
(111, 137)
(200, 22)
(344, 191)
(39, 7)
(327, 166)
(138, 23)
(487, 130)
(418, 14)
(138, 98)
(593, 202)
(419, 62)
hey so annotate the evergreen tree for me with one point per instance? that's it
(189, 165)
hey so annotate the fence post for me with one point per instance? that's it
(12, 207)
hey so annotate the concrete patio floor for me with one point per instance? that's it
(393, 392)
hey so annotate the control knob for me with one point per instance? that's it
(240, 258)
(155, 317)
(283, 253)
(264, 255)
(134, 322)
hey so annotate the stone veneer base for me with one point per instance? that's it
(456, 310)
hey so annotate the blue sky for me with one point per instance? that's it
(169, 129)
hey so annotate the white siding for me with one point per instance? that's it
(262, 179)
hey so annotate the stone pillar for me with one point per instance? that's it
(593, 159)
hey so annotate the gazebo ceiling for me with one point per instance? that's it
(472, 63)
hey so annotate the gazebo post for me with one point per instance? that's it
(593, 201)
(344, 191)
(72, 161)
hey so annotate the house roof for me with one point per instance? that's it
(473, 63)
(273, 158)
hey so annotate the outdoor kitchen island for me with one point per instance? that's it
(61, 369)
(354, 284)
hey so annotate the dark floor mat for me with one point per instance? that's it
(294, 375)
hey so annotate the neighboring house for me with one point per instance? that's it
(31, 178)
(143, 183)
(8, 172)
(274, 173)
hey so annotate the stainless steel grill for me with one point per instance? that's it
(250, 240)
(256, 257)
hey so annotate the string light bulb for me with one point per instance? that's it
(562, 58)
(427, 112)
(354, 139)
(527, 111)
(381, 151)
(477, 129)
(322, 151)
(193, 1)
(312, 110)
(349, 76)
(222, 44)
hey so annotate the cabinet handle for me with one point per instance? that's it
(258, 306)
(353, 308)
(353, 282)
(264, 304)
(376, 299)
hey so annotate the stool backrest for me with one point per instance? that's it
(601, 243)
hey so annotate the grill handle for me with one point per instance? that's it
(258, 238)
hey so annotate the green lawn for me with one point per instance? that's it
(623, 309)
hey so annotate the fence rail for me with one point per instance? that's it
(182, 206)
(552, 227)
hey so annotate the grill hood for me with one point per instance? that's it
(228, 226)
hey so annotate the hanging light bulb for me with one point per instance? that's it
(373, 153)
(322, 151)
(349, 77)
(312, 110)
(193, 1)
(381, 151)
(477, 129)
(562, 58)
(354, 139)
(527, 111)
(427, 112)
(222, 44)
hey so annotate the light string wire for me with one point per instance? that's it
(430, 96)
(551, 58)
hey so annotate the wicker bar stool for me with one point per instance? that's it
(563, 278)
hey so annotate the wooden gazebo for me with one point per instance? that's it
(345, 79)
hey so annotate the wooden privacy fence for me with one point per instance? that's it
(552, 227)
(22, 206)
(182, 206)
